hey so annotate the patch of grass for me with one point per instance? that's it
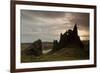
(61, 55)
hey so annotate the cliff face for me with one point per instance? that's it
(69, 39)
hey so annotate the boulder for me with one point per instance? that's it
(34, 49)
(55, 45)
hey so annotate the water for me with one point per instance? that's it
(46, 51)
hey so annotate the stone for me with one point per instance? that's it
(34, 49)
(55, 45)
(69, 39)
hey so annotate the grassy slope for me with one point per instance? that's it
(63, 54)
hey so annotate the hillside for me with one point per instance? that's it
(68, 47)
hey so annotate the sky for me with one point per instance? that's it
(47, 25)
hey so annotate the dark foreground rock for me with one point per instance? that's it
(34, 49)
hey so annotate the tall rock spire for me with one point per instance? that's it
(70, 39)
(75, 29)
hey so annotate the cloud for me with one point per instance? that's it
(47, 25)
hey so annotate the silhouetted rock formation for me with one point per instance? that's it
(34, 49)
(55, 45)
(69, 39)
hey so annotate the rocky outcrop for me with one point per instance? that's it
(69, 39)
(55, 45)
(34, 49)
